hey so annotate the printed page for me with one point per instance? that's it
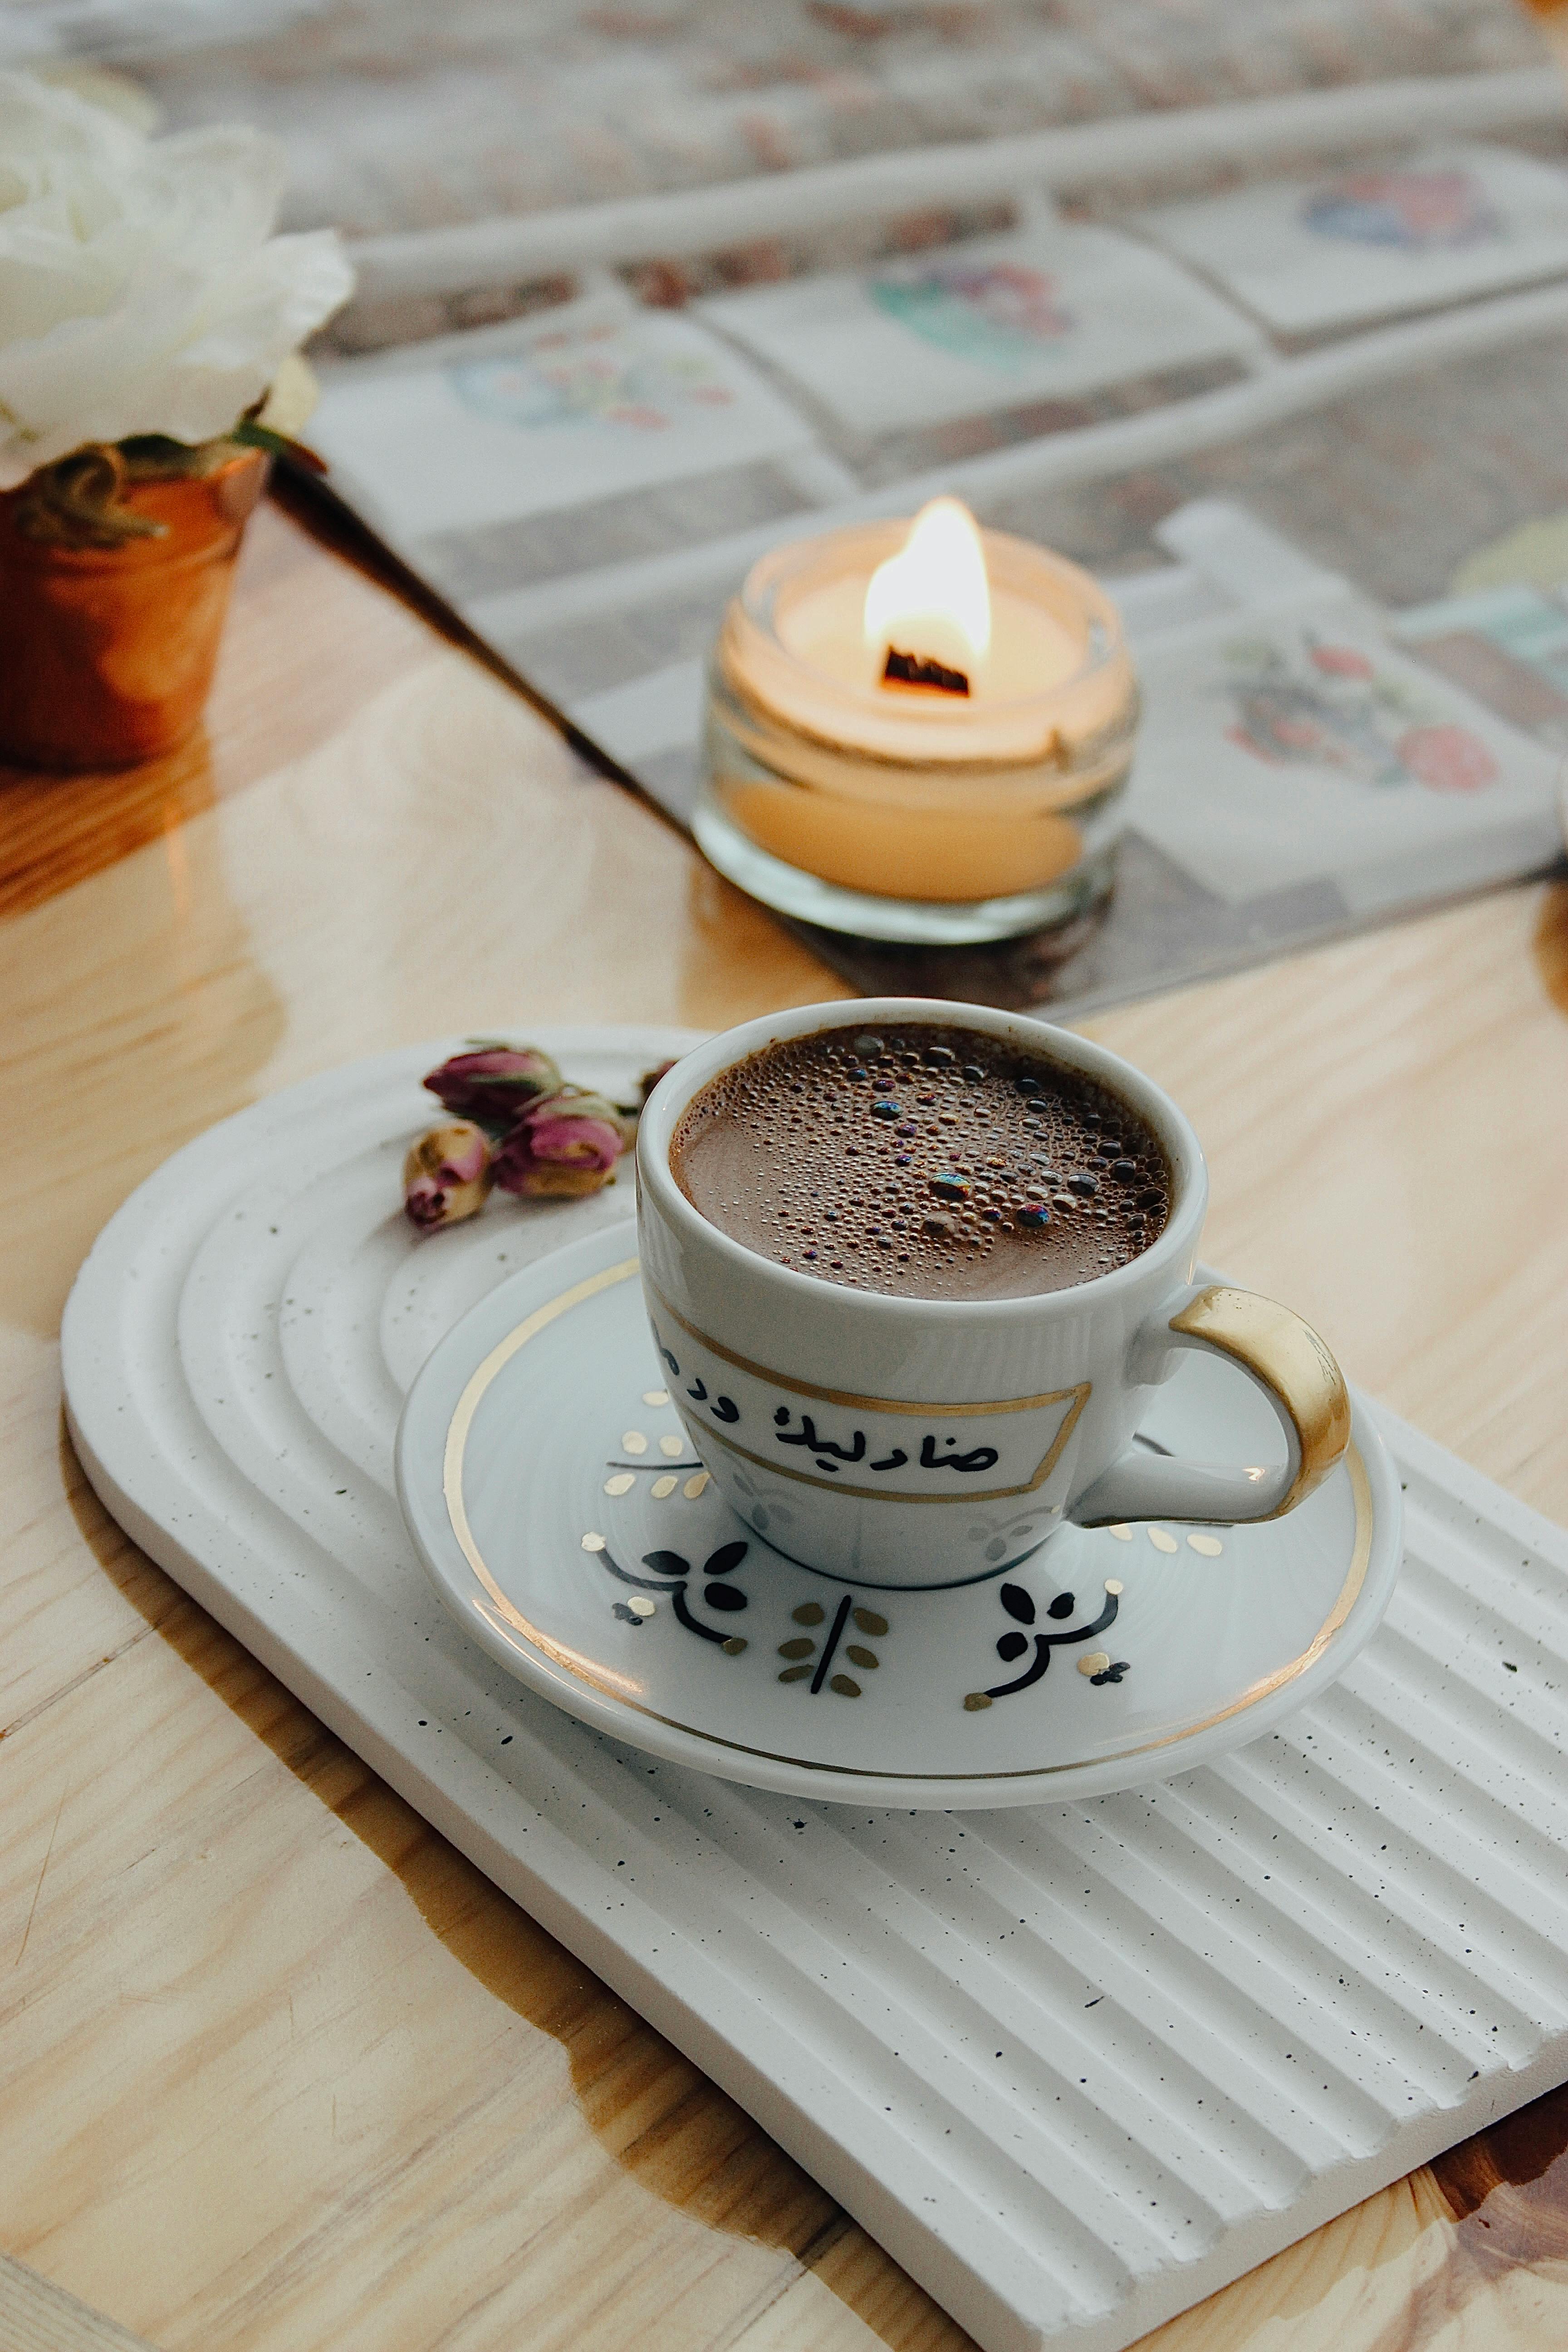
(1045, 313)
(588, 436)
(1284, 746)
(1376, 239)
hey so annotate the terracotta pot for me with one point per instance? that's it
(107, 653)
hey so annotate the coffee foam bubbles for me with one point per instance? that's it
(923, 1160)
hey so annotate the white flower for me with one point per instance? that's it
(142, 290)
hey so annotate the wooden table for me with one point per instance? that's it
(279, 2069)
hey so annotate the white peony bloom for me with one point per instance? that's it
(142, 290)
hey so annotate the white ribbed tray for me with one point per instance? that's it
(1074, 2066)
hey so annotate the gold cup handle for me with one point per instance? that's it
(1300, 1379)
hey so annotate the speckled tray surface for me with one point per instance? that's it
(1076, 2065)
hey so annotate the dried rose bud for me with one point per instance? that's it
(494, 1083)
(650, 1078)
(447, 1175)
(568, 1143)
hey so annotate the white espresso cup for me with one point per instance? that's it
(895, 1440)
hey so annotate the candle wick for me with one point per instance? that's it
(918, 669)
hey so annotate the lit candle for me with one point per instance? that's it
(918, 732)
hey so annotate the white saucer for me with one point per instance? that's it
(556, 1503)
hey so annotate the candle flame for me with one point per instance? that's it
(933, 599)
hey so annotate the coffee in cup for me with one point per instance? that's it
(929, 1410)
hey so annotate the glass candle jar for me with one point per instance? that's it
(896, 811)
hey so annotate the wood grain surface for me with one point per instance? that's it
(278, 2070)
(37, 2317)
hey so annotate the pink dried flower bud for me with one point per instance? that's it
(568, 1143)
(447, 1175)
(650, 1078)
(494, 1083)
